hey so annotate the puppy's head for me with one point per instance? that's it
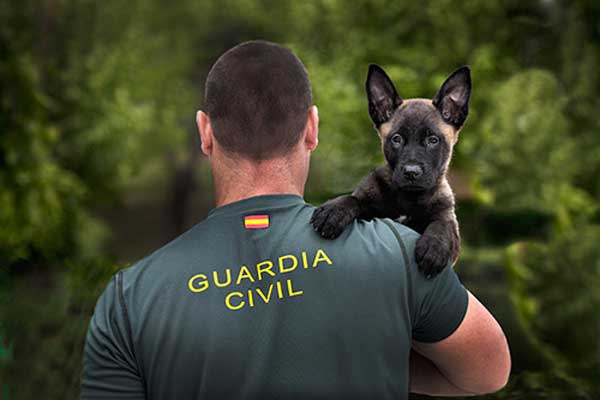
(417, 135)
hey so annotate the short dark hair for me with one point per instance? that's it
(257, 96)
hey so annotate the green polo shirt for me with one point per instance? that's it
(251, 303)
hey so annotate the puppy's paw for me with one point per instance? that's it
(330, 219)
(432, 254)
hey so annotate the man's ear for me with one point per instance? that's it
(452, 100)
(206, 132)
(382, 95)
(311, 138)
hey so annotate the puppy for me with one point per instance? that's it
(417, 139)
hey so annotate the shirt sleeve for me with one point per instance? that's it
(110, 369)
(438, 305)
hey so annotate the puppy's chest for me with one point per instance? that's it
(411, 210)
(410, 203)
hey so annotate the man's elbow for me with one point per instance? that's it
(492, 384)
(495, 368)
(503, 373)
(476, 357)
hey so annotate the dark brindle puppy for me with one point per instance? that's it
(417, 137)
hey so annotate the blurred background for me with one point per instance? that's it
(100, 164)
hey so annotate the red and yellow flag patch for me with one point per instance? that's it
(256, 221)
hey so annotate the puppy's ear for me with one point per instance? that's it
(382, 95)
(452, 100)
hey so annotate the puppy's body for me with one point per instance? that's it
(417, 137)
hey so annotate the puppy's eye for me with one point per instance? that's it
(432, 140)
(397, 139)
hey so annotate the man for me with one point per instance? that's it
(252, 303)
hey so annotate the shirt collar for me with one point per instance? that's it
(261, 202)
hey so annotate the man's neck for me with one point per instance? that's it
(226, 197)
(235, 181)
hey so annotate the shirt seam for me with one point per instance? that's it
(406, 266)
(121, 301)
(125, 312)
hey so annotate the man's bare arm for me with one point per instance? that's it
(426, 378)
(475, 359)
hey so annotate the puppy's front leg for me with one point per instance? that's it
(371, 198)
(439, 243)
(330, 219)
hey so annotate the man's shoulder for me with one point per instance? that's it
(377, 231)
(387, 230)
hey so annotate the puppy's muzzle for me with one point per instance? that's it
(412, 172)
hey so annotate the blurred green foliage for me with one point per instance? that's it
(95, 95)
(555, 287)
(50, 314)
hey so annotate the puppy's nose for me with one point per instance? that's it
(412, 171)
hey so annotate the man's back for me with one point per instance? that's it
(251, 303)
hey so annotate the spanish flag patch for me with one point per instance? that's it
(256, 221)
